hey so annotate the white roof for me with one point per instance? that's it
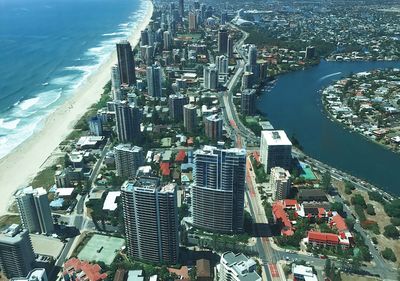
(62, 192)
(109, 203)
(276, 137)
(305, 271)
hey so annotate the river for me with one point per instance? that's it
(294, 105)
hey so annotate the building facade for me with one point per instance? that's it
(154, 81)
(218, 190)
(190, 117)
(151, 220)
(238, 267)
(280, 183)
(275, 150)
(16, 253)
(128, 118)
(34, 210)
(248, 102)
(128, 159)
(213, 127)
(176, 103)
(126, 63)
(222, 41)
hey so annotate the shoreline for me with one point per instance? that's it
(21, 165)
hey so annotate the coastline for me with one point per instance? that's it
(19, 167)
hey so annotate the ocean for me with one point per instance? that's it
(47, 49)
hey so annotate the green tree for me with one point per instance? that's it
(388, 254)
(391, 232)
(326, 181)
(370, 210)
(393, 208)
(358, 200)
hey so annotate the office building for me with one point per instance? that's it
(279, 183)
(230, 47)
(167, 39)
(190, 117)
(275, 150)
(176, 103)
(115, 83)
(128, 118)
(248, 102)
(16, 253)
(238, 267)
(154, 81)
(151, 220)
(128, 159)
(210, 74)
(96, 126)
(126, 63)
(213, 127)
(34, 210)
(192, 22)
(218, 190)
(222, 41)
(37, 274)
(181, 8)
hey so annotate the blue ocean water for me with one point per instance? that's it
(49, 47)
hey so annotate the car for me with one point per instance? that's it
(322, 257)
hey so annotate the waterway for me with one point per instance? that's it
(294, 105)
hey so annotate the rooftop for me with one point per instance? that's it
(109, 203)
(276, 137)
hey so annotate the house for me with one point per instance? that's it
(307, 195)
(77, 270)
(281, 218)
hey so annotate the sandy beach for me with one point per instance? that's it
(19, 167)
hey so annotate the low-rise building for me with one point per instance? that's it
(237, 267)
(76, 270)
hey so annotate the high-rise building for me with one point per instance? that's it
(128, 159)
(222, 64)
(218, 191)
(210, 74)
(213, 127)
(190, 117)
(16, 253)
(176, 103)
(149, 51)
(248, 102)
(237, 267)
(34, 210)
(192, 22)
(154, 83)
(96, 126)
(181, 8)
(167, 39)
(275, 150)
(115, 83)
(151, 220)
(310, 52)
(230, 47)
(126, 63)
(279, 183)
(247, 80)
(222, 41)
(252, 55)
(37, 274)
(196, 5)
(144, 37)
(128, 118)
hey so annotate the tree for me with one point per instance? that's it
(395, 221)
(328, 267)
(388, 254)
(391, 232)
(358, 200)
(393, 208)
(337, 206)
(370, 210)
(350, 223)
(348, 187)
(326, 181)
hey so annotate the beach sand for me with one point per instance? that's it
(19, 167)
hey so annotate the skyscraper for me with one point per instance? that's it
(144, 37)
(128, 118)
(230, 47)
(167, 40)
(210, 75)
(34, 210)
(96, 126)
(126, 63)
(190, 117)
(222, 41)
(154, 84)
(218, 191)
(151, 220)
(275, 150)
(127, 160)
(181, 8)
(176, 103)
(248, 102)
(192, 22)
(252, 55)
(213, 127)
(16, 252)
(279, 183)
(115, 83)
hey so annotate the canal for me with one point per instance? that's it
(294, 105)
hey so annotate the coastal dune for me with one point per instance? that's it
(19, 167)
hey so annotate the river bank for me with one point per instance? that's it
(20, 166)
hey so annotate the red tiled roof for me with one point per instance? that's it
(289, 202)
(180, 156)
(190, 141)
(92, 271)
(322, 237)
(165, 170)
(339, 223)
(281, 215)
